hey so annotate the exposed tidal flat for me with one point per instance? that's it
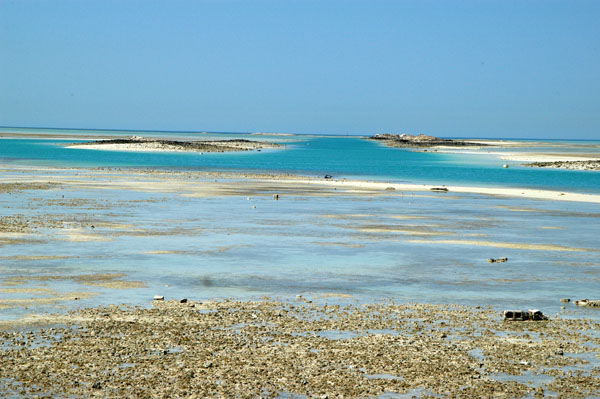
(339, 287)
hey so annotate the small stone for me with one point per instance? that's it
(97, 385)
(275, 197)
(159, 298)
(207, 364)
(184, 300)
(565, 299)
(524, 363)
(505, 166)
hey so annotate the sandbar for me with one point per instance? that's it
(141, 144)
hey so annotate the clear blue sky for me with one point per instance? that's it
(448, 68)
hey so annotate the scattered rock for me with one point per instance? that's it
(159, 298)
(219, 350)
(588, 302)
(184, 300)
(327, 177)
(505, 166)
(574, 165)
(275, 196)
(497, 260)
(523, 315)
(440, 189)
(566, 300)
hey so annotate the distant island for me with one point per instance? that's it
(141, 144)
(419, 141)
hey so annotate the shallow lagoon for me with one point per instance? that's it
(189, 236)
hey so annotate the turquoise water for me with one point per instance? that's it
(349, 157)
(410, 247)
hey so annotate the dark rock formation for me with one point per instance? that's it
(575, 165)
(418, 141)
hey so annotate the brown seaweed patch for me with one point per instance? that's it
(64, 296)
(35, 257)
(518, 209)
(417, 230)
(163, 252)
(106, 280)
(406, 217)
(117, 284)
(534, 247)
(118, 226)
(339, 244)
(334, 295)
(36, 290)
(347, 216)
(220, 250)
(17, 187)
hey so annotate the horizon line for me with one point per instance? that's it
(274, 133)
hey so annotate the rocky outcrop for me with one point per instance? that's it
(151, 144)
(574, 165)
(419, 141)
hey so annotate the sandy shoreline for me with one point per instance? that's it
(500, 191)
(504, 150)
(140, 144)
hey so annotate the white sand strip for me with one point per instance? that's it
(499, 191)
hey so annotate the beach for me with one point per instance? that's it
(575, 156)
